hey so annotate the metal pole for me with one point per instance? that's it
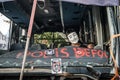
(61, 15)
(28, 38)
(90, 27)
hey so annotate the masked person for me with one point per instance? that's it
(74, 40)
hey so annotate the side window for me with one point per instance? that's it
(87, 29)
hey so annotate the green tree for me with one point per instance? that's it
(51, 37)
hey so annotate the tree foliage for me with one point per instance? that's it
(49, 38)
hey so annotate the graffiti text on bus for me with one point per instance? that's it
(66, 53)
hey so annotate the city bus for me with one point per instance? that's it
(49, 55)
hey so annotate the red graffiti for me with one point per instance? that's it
(84, 52)
(37, 54)
(19, 55)
(56, 52)
(66, 53)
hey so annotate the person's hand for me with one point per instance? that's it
(90, 46)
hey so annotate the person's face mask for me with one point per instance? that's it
(73, 37)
